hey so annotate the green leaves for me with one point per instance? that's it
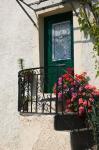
(97, 75)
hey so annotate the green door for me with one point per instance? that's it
(58, 46)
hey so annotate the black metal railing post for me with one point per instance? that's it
(57, 90)
(36, 93)
(19, 93)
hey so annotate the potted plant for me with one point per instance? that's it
(75, 96)
(75, 92)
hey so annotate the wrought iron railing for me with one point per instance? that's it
(35, 90)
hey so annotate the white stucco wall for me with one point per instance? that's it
(19, 39)
(15, 30)
(83, 54)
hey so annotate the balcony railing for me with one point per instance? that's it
(35, 90)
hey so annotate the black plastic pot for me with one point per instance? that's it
(69, 121)
(82, 139)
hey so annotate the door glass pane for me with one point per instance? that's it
(61, 41)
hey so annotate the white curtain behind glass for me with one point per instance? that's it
(61, 41)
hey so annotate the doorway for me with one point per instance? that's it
(58, 46)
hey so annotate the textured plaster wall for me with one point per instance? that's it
(83, 54)
(19, 39)
(38, 134)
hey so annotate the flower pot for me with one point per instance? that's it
(82, 139)
(69, 121)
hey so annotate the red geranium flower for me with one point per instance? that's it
(75, 91)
